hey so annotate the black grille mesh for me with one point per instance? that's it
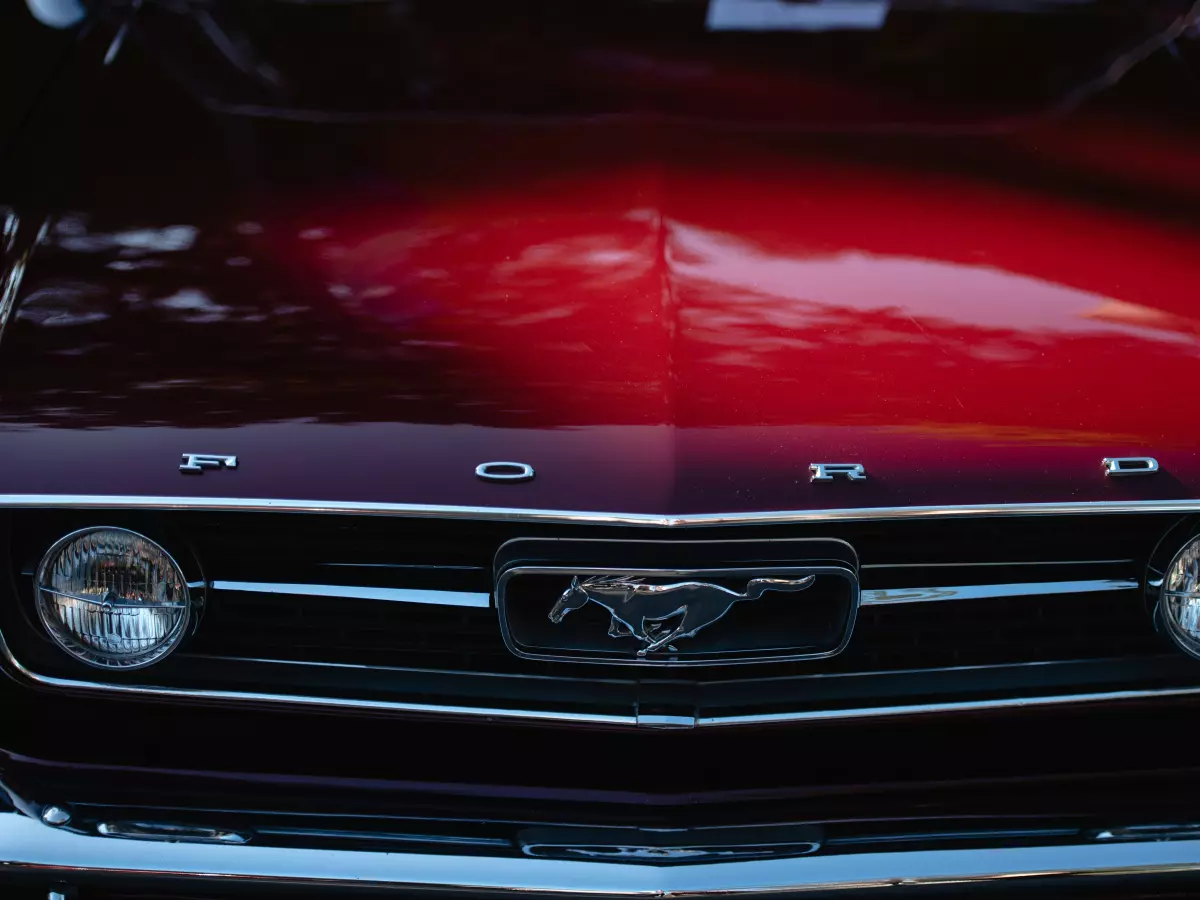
(906, 636)
(929, 637)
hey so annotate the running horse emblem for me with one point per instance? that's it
(644, 611)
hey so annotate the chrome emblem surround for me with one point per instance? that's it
(643, 610)
(657, 610)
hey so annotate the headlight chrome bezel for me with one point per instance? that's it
(1186, 640)
(190, 580)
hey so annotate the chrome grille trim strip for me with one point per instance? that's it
(893, 596)
(544, 716)
(518, 676)
(822, 676)
(511, 514)
(354, 592)
(878, 597)
(30, 847)
(977, 565)
(334, 703)
(924, 709)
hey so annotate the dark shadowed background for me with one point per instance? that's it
(29, 52)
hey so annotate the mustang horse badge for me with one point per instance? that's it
(646, 611)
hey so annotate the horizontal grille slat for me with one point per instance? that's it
(908, 636)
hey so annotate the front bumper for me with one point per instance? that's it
(333, 806)
(49, 855)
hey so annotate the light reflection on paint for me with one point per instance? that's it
(750, 287)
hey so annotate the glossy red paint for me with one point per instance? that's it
(660, 317)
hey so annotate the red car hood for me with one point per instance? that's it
(659, 322)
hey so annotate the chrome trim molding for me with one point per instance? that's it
(921, 709)
(510, 514)
(1165, 832)
(56, 816)
(631, 720)
(26, 846)
(1008, 564)
(330, 703)
(986, 591)
(166, 831)
(353, 592)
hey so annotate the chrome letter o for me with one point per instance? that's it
(504, 471)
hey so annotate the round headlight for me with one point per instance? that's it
(112, 598)
(1179, 602)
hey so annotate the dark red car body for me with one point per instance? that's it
(664, 315)
(367, 247)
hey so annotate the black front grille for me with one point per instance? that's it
(1004, 630)
(908, 636)
(915, 652)
(314, 629)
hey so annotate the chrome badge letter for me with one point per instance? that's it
(198, 462)
(1129, 465)
(830, 471)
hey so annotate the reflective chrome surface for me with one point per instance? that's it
(781, 15)
(665, 311)
(29, 847)
(357, 592)
(669, 846)
(515, 713)
(1130, 465)
(198, 462)
(869, 598)
(984, 591)
(1160, 832)
(310, 702)
(505, 471)
(56, 816)
(166, 831)
(514, 514)
(830, 471)
(968, 706)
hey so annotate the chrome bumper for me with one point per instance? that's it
(55, 855)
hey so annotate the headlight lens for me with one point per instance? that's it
(112, 598)
(1179, 603)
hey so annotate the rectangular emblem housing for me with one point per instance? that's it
(673, 603)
